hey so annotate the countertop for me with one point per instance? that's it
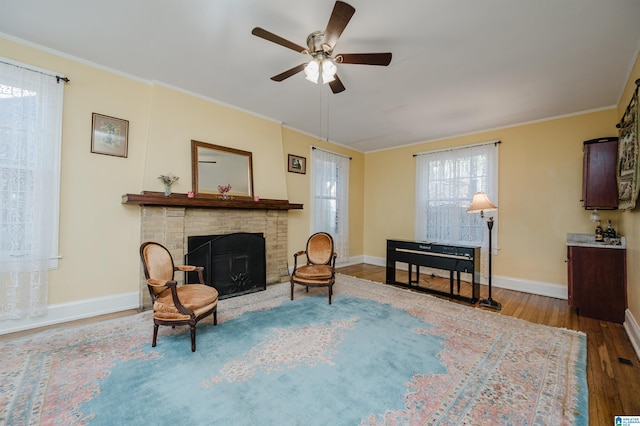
(588, 240)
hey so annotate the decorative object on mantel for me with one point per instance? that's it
(628, 158)
(224, 190)
(109, 135)
(168, 180)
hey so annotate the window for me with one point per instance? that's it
(445, 183)
(330, 200)
(30, 142)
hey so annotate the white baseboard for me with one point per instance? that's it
(377, 261)
(517, 284)
(533, 287)
(64, 312)
(633, 331)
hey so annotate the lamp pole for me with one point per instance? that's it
(489, 302)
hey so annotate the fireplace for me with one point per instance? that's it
(172, 227)
(234, 264)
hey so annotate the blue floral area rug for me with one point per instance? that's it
(378, 355)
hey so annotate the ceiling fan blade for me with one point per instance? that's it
(262, 33)
(288, 73)
(336, 85)
(383, 59)
(340, 17)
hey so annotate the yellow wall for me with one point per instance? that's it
(177, 118)
(298, 185)
(540, 181)
(630, 220)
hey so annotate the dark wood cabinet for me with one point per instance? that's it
(597, 282)
(599, 183)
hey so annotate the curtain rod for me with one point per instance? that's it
(58, 77)
(331, 152)
(626, 111)
(458, 147)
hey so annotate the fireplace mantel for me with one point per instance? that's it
(150, 198)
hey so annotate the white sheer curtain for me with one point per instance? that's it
(445, 183)
(330, 199)
(30, 142)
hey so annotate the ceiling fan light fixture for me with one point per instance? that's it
(318, 67)
(320, 45)
(312, 71)
(328, 71)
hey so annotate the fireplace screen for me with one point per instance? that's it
(234, 264)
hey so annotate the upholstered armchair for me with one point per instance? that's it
(172, 304)
(320, 267)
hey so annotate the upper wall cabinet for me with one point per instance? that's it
(599, 183)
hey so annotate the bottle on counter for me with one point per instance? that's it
(599, 233)
(610, 232)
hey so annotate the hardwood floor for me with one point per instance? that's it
(614, 385)
(613, 368)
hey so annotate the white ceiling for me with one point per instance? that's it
(459, 66)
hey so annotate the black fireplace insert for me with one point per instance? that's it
(234, 264)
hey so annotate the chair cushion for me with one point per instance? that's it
(314, 272)
(319, 248)
(158, 262)
(197, 297)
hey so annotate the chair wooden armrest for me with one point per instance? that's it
(191, 268)
(188, 268)
(172, 285)
(179, 306)
(161, 283)
(295, 258)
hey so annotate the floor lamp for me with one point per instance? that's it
(481, 204)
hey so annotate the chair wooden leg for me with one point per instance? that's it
(193, 338)
(330, 293)
(155, 335)
(215, 317)
(291, 291)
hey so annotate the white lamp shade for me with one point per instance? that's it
(312, 71)
(481, 203)
(328, 71)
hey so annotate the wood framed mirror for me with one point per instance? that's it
(213, 165)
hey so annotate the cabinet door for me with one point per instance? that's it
(599, 183)
(570, 279)
(598, 282)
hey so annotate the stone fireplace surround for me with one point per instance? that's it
(171, 225)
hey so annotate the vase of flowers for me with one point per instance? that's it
(224, 189)
(168, 180)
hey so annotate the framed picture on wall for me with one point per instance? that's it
(109, 135)
(297, 164)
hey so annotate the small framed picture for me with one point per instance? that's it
(109, 135)
(297, 164)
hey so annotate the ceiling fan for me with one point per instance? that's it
(320, 44)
